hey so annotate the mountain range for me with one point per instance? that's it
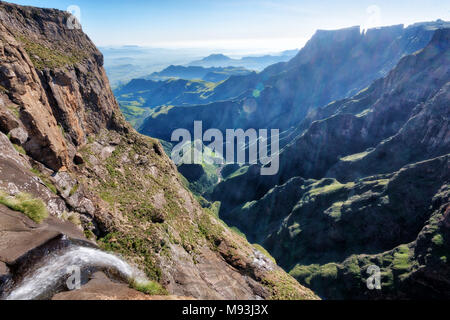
(212, 74)
(126, 63)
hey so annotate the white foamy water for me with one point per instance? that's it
(45, 278)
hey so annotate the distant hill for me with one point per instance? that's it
(251, 62)
(197, 73)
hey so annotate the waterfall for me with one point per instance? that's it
(49, 276)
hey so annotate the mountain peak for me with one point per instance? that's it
(216, 57)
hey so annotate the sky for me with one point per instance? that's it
(264, 25)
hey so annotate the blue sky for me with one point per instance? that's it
(238, 24)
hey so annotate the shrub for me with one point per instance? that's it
(74, 190)
(34, 209)
(148, 287)
(438, 240)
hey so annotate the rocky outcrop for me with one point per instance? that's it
(65, 144)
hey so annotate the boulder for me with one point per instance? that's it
(18, 136)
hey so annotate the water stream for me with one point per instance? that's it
(51, 275)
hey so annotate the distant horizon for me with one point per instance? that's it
(236, 27)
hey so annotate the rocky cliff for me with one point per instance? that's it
(365, 184)
(71, 168)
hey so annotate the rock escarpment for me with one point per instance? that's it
(364, 184)
(65, 143)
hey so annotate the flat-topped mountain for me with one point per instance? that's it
(250, 62)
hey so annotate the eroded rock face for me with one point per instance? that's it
(61, 93)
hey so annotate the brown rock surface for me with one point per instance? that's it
(100, 287)
(3, 269)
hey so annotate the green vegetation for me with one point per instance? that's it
(402, 259)
(148, 287)
(355, 157)
(34, 209)
(241, 171)
(334, 186)
(130, 245)
(307, 274)
(161, 110)
(14, 110)
(74, 190)
(352, 266)
(89, 234)
(72, 217)
(284, 287)
(46, 180)
(133, 112)
(438, 240)
(19, 149)
(44, 57)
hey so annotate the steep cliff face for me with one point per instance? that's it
(365, 184)
(53, 75)
(67, 152)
